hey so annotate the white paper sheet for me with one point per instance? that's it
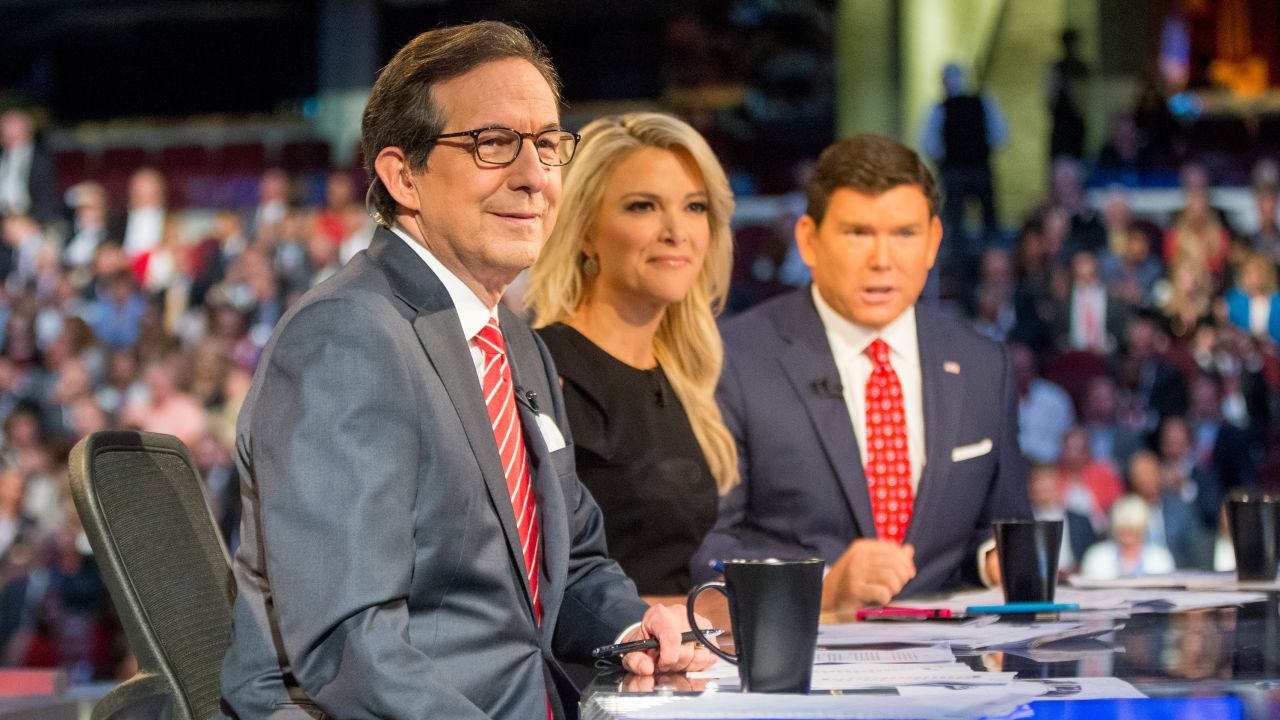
(983, 702)
(940, 653)
(928, 702)
(1119, 598)
(862, 675)
(1048, 689)
(977, 634)
(1186, 580)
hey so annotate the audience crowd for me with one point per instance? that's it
(1144, 353)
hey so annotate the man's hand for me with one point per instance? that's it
(677, 682)
(993, 567)
(666, 623)
(869, 573)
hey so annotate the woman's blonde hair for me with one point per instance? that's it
(687, 344)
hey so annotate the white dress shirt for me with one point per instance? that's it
(143, 230)
(848, 340)
(15, 168)
(1085, 301)
(472, 311)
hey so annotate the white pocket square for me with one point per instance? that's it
(551, 434)
(968, 452)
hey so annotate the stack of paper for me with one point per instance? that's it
(1184, 580)
(931, 702)
(977, 634)
(859, 676)
(1127, 599)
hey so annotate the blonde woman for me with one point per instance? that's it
(624, 295)
(1254, 304)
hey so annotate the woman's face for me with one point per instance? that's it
(652, 230)
(1251, 279)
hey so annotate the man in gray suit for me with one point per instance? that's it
(415, 541)
(873, 432)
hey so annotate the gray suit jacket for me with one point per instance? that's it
(803, 491)
(379, 571)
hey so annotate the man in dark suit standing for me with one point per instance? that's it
(27, 185)
(415, 540)
(875, 433)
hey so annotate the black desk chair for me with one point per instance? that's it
(140, 500)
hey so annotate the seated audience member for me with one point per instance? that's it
(1090, 319)
(1125, 155)
(1127, 553)
(1155, 385)
(15, 527)
(1171, 520)
(143, 225)
(1112, 436)
(1187, 301)
(116, 317)
(167, 408)
(875, 433)
(624, 294)
(1197, 239)
(1254, 304)
(28, 185)
(1196, 484)
(1266, 199)
(1046, 504)
(1084, 228)
(1132, 274)
(88, 229)
(1045, 412)
(1219, 446)
(1088, 485)
(1034, 261)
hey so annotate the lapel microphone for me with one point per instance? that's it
(529, 397)
(828, 388)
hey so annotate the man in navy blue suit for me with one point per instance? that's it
(877, 434)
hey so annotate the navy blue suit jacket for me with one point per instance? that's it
(803, 491)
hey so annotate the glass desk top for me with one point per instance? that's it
(1216, 663)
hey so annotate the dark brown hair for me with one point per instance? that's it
(401, 112)
(872, 165)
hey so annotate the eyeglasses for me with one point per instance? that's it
(501, 146)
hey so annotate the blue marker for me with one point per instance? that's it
(1020, 607)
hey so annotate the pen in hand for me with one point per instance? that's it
(612, 651)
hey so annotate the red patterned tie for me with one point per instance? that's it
(501, 403)
(888, 464)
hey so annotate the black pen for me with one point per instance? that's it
(611, 651)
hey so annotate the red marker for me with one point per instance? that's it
(889, 612)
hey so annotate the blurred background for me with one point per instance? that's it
(174, 174)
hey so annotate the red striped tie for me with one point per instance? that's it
(888, 464)
(501, 403)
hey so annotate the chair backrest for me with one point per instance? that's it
(139, 497)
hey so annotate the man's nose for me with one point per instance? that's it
(527, 172)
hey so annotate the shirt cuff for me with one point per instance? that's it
(627, 632)
(983, 549)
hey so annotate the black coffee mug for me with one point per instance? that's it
(1028, 552)
(773, 610)
(1252, 520)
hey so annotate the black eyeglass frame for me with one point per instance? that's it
(475, 143)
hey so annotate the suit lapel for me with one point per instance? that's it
(552, 513)
(811, 369)
(942, 378)
(439, 332)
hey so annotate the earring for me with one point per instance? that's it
(590, 267)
